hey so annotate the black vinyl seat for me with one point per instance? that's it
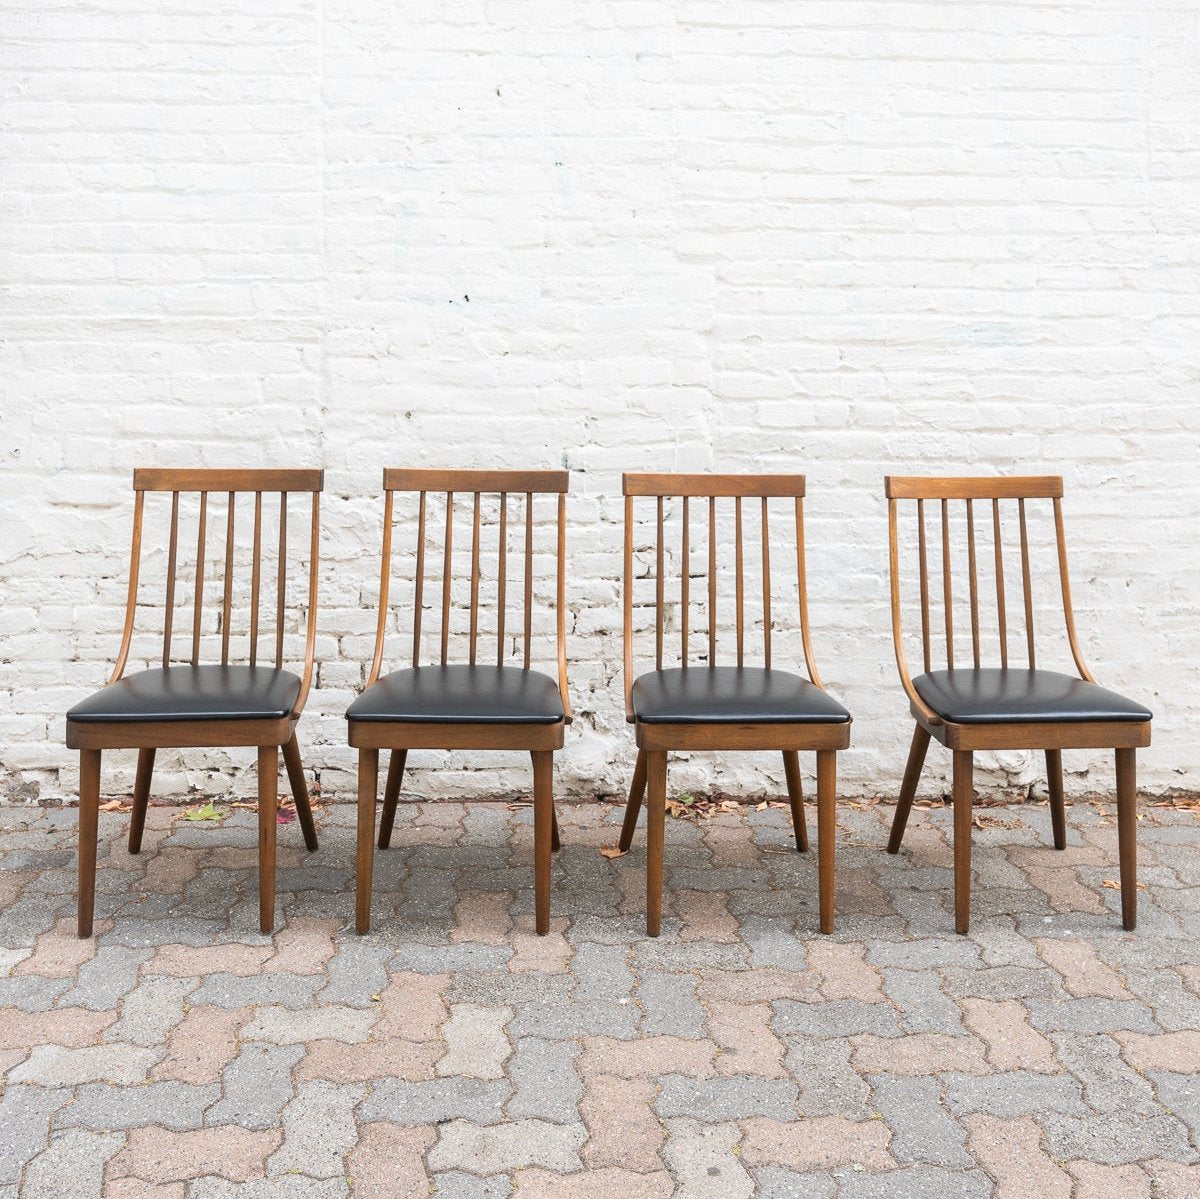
(731, 695)
(192, 693)
(460, 695)
(1003, 696)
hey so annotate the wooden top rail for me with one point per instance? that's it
(705, 486)
(398, 478)
(1017, 487)
(196, 479)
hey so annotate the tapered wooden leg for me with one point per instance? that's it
(637, 790)
(391, 795)
(1058, 808)
(1127, 834)
(543, 836)
(826, 832)
(908, 788)
(555, 843)
(89, 815)
(268, 804)
(656, 821)
(964, 795)
(295, 771)
(368, 785)
(141, 797)
(791, 771)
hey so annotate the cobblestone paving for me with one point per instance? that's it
(180, 1055)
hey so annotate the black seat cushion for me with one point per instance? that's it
(996, 696)
(193, 693)
(461, 695)
(732, 694)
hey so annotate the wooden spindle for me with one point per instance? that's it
(1064, 579)
(198, 605)
(659, 583)
(172, 554)
(502, 579)
(131, 594)
(740, 584)
(474, 576)
(1027, 586)
(419, 581)
(922, 549)
(528, 575)
(766, 585)
(447, 572)
(685, 554)
(712, 580)
(227, 593)
(947, 585)
(974, 580)
(1001, 621)
(385, 581)
(281, 580)
(255, 577)
(810, 660)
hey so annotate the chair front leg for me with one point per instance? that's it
(637, 791)
(89, 816)
(964, 795)
(391, 795)
(791, 772)
(543, 836)
(908, 788)
(295, 771)
(141, 798)
(368, 785)
(826, 833)
(656, 820)
(1127, 834)
(268, 806)
(1058, 807)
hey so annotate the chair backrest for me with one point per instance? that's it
(491, 493)
(225, 486)
(709, 489)
(998, 497)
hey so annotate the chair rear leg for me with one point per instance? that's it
(268, 805)
(543, 836)
(656, 821)
(908, 788)
(295, 771)
(89, 816)
(637, 791)
(791, 771)
(964, 795)
(368, 786)
(826, 832)
(1127, 834)
(141, 798)
(1058, 808)
(391, 795)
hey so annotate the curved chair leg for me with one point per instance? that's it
(656, 820)
(791, 771)
(391, 795)
(89, 816)
(1127, 834)
(633, 807)
(1058, 808)
(268, 804)
(964, 795)
(543, 836)
(908, 788)
(141, 797)
(295, 772)
(826, 831)
(368, 785)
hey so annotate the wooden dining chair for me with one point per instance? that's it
(978, 707)
(701, 705)
(188, 703)
(476, 705)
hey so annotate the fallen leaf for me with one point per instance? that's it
(285, 815)
(611, 851)
(1113, 885)
(761, 807)
(115, 805)
(205, 812)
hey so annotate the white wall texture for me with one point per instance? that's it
(842, 238)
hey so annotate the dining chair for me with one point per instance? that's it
(187, 703)
(700, 705)
(978, 707)
(477, 705)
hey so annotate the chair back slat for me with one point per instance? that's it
(712, 580)
(256, 578)
(474, 578)
(281, 580)
(810, 660)
(419, 582)
(172, 560)
(766, 584)
(385, 578)
(501, 577)
(685, 579)
(227, 588)
(740, 584)
(528, 576)
(1023, 494)
(659, 584)
(447, 575)
(198, 606)
(131, 593)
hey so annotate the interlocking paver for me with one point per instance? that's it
(181, 1055)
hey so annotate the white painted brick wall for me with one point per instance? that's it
(846, 238)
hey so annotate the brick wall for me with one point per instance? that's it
(845, 238)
